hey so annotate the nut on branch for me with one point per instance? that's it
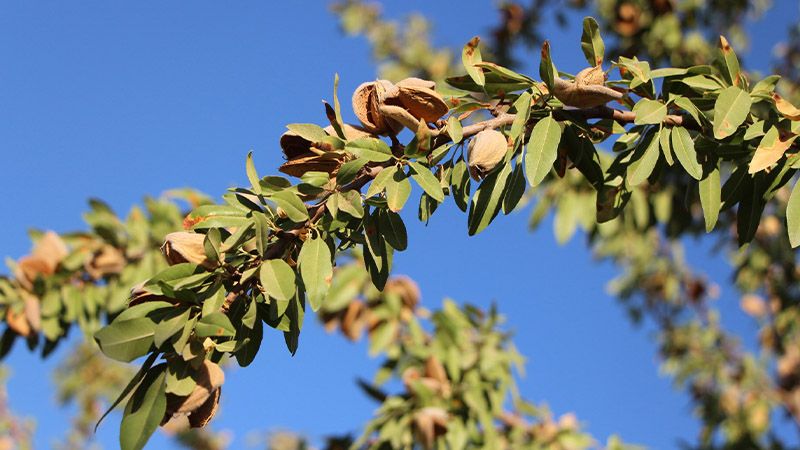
(586, 91)
(305, 156)
(183, 246)
(201, 404)
(385, 108)
(485, 151)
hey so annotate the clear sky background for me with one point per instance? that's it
(119, 100)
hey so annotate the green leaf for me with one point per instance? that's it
(683, 146)
(470, 55)
(727, 62)
(487, 200)
(349, 170)
(523, 108)
(126, 340)
(211, 216)
(179, 378)
(215, 324)
(514, 189)
(664, 139)
(426, 180)
(369, 149)
(252, 175)
(730, 111)
(350, 202)
(542, 150)
(378, 253)
(701, 83)
(649, 112)
(169, 327)
(316, 270)
(498, 72)
(393, 229)
(711, 198)
(398, 188)
(454, 129)
(130, 386)
(338, 122)
(291, 204)
(547, 70)
(308, 131)
(378, 184)
(144, 410)
(460, 183)
(640, 169)
(591, 42)
(793, 216)
(277, 279)
(751, 205)
(246, 353)
(689, 107)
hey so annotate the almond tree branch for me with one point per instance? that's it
(317, 211)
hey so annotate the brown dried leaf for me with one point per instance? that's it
(786, 109)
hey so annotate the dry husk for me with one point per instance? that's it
(586, 91)
(183, 246)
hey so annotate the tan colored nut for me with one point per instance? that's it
(423, 103)
(406, 288)
(18, 323)
(753, 305)
(33, 313)
(435, 370)
(106, 261)
(328, 162)
(294, 146)
(628, 20)
(413, 82)
(585, 92)
(367, 100)
(183, 246)
(47, 254)
(209, 378)
(202, 415)
(50, 249)
(591, 76)
(430, 423)
(485, 151)
(353, 322)
(398, 114)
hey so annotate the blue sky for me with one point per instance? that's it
(118, 100)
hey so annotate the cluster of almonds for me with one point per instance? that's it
(305, 156)
(587, 90)
(429, 424)
(47, 254)
(197, 408)
(383, 108)
(358, 315)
